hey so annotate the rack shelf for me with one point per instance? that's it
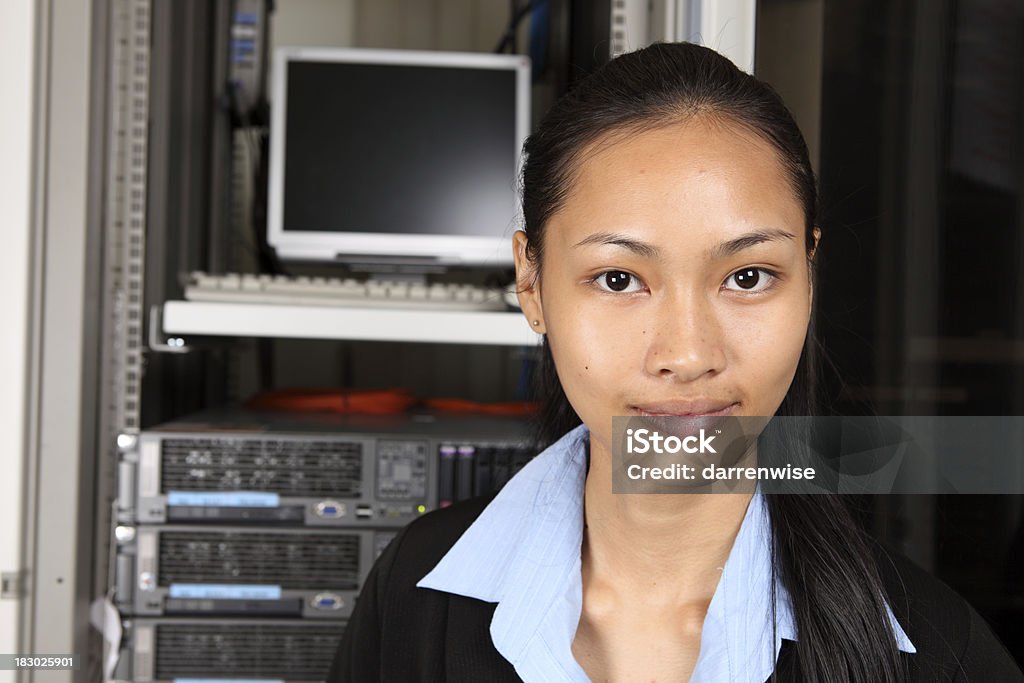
(208, 319)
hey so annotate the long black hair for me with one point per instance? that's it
(819, 554)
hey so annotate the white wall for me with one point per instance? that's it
(458, 25)
(313, 23)
(17, 45)
(455, 25)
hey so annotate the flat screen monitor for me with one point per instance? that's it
(396, 156)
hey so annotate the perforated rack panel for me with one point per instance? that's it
(236, 571)
(292, 650)
(241, 468)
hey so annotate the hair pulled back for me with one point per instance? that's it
(819, 554)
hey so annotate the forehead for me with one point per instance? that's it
(698, 177)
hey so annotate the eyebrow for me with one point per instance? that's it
(638, 247)
(750, 239)
(647, 250)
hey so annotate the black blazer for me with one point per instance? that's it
(399, 633)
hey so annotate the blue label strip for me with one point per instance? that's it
(224, 499)
(215, 591)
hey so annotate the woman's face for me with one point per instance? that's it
(675, 277)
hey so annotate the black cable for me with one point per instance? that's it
(509, 37)
(256, 140)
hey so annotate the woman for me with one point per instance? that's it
(668, 258)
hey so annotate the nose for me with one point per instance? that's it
(686, 341)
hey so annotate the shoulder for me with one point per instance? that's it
(924, 605)
(953, 641)
(422, 544)
(398, 632)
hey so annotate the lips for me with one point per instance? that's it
(692, 407)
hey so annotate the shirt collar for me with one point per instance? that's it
(523, 552)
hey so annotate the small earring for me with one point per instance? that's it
(536, 322)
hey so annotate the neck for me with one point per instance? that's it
(661, 549)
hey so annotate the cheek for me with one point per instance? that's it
(764, 351)
(592, 350)
(587, 345)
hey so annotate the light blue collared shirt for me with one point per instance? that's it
(523, 553)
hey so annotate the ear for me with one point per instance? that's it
(528, 284)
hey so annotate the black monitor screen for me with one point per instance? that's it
(383, 148)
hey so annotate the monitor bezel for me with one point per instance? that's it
(366, 247)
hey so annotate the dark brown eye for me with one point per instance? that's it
(752, 279)
(747, 278)
(616, 280)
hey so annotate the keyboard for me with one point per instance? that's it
(325, 291)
